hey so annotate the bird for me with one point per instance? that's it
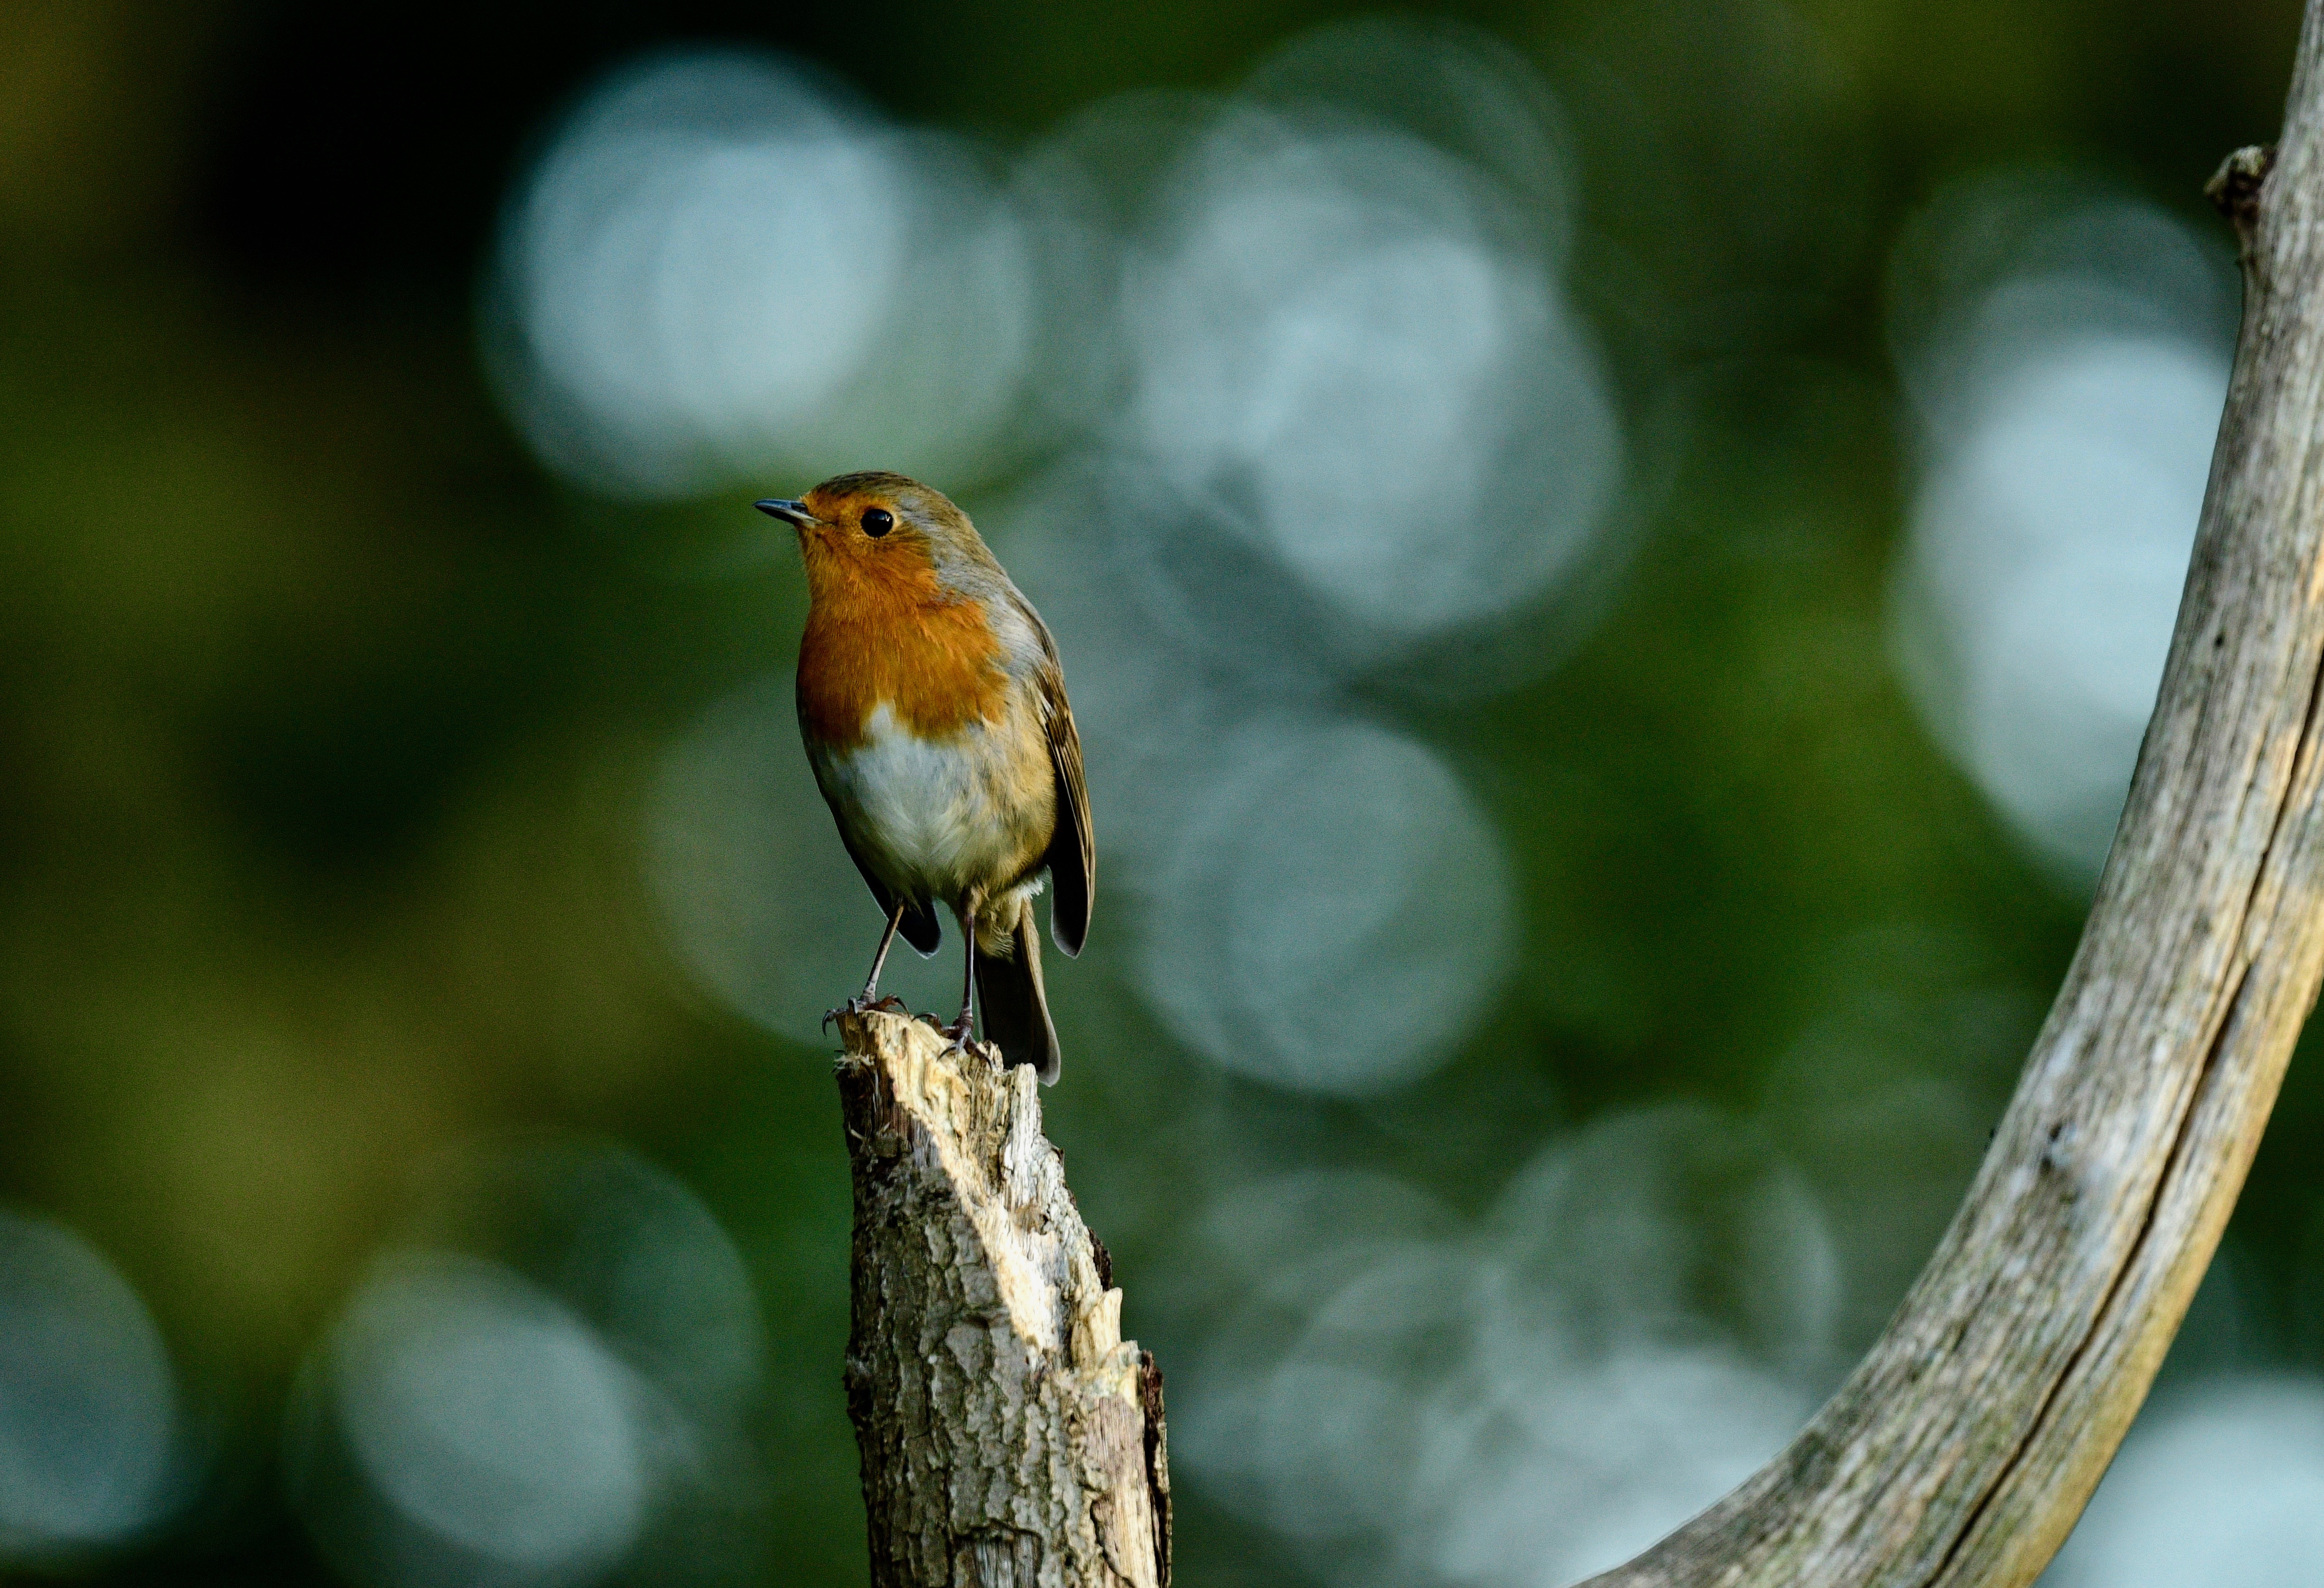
(932, 704)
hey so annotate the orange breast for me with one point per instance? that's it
(882, 632)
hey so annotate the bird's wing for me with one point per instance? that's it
(921, 929)
(1072, 852)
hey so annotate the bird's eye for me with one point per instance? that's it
(877, 521)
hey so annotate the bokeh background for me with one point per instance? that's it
(1612, 561)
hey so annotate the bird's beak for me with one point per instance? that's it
(794, 513)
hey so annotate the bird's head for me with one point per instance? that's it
(880, 526)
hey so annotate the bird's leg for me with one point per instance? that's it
(960, 1029)
(868, 999)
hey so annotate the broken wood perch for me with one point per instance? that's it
(1011, 1437)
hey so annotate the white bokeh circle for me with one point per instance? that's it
(1338, 915)
(490, 1415)
(1638, 1324)
(724, 268)
(2065, 350)
(88, 1405)
(1335, 329)
(2049, 547)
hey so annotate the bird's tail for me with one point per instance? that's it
(1009, 988)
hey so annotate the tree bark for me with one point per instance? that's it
(1965, 1445)
(1010, 1437)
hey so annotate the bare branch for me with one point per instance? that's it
(1964, 1447)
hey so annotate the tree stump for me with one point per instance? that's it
(1011, 1437)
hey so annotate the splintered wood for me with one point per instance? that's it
(1011, 1437)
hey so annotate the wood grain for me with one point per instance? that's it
(1010, 1437)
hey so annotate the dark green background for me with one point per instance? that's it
(325, 715)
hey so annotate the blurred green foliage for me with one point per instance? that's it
(326, 717)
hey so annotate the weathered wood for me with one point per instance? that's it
(1964, 1447)
(1010, 1437)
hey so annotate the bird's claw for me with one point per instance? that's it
(859, 1004)
(958, 1035)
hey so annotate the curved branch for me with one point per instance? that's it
(1965, 1445)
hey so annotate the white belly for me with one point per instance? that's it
(933, 819)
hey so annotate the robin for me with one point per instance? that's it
(934, 711)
